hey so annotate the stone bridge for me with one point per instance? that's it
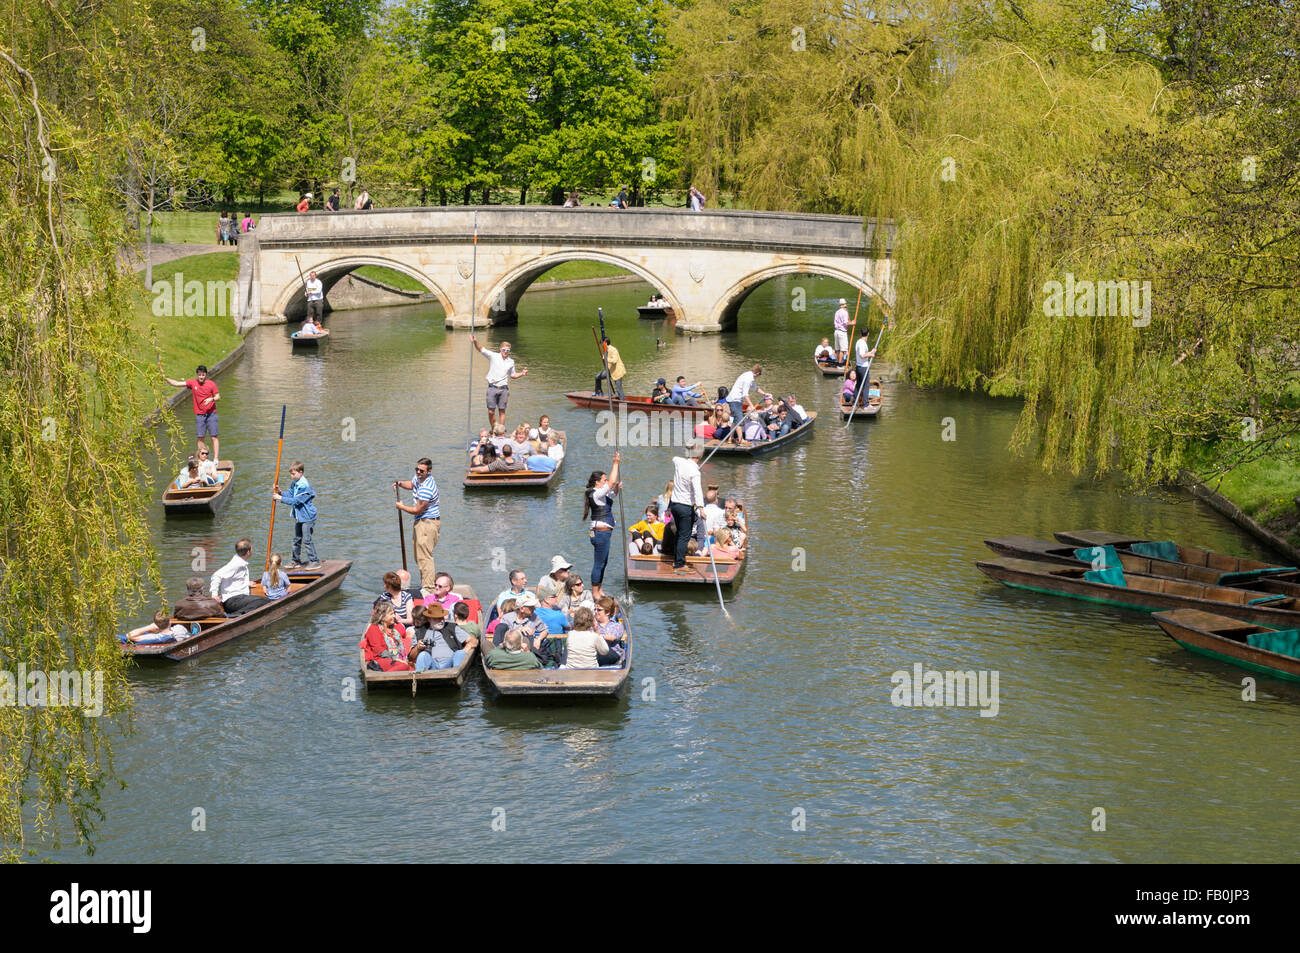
(704, 263)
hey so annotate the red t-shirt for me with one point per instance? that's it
(201, 393)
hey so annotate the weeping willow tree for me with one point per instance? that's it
(1018, 145)
(75, 552)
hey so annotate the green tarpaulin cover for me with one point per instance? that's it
(1109, 558)
(1283, 641)
(1112, 576)
(1164, 549)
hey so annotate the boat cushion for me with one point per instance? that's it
(1109, 558)
(1113, 576)
(1283, 642)
(1163, 549)
(1228, 578)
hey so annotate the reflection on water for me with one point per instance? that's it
(862, 564)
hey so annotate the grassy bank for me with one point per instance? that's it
(569, 271)
(1265, 489)
(183, 341)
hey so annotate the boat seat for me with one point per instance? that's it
(1281, 641)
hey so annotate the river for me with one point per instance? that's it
(768, 736)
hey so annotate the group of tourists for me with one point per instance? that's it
(436, 632)
(333, 203)
(230, 226)
(712, 529)
(538, 449)
(738, 416)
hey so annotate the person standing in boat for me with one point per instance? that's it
(427, 522)
(303, 500)
(865, 352)
(842, 332)
(615, 373)
(206, 395)
(686, 497)
(745, 384)
(501, 371)
(315, 298)
(598, 506)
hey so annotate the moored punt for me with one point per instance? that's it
(432, 679)
(1024, 547)
(1171, 552)
(309, 340)
(748, 449)
(829, 369)
(867, 411)
(513, 479)
(201, 499)
(1142, 593)
(306, 586)
(1229, 640)
(659, 568)
(586, 398)
(646, 311)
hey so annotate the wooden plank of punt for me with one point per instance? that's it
(867, 412)
(660, 569)
(645, 312)
(513, 479)
(309, 340)
(306, 586)
(433, 679)
(559, 682)
(1144, 593)
(586, 398)
(1223, 638)
(830, 370)
(747, 449)
(204, 500)
(1219, 562)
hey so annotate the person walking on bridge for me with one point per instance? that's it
(501, 371)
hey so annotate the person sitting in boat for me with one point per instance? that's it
(554, 447)
(825, 354)
(159, 630)
(611, 630)
(230, 583)
(705, 429)
(442, 592)
(208, 468)
(544, 430)
(275, 581)
(523, 617)
(309, 327)
(519, 443)
(518, 585)
(736, 531)
(795, 415)
(554, 580)
(505, 463)
(723, 547)
(686, 396)
(634, 543)
(575, 595)
(661, 394)
(722, 422)
(650, 524)
(541, 463)
(197, 604)
(438, 644)
(387, 646)
(731, 507)
(585, 644)
(511, 655)
(476, 447)
(460, 615)
(499, 438)
(850, 387)
(189, 476)
(550, 613)
(397, 597)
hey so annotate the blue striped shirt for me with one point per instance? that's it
(427, 490)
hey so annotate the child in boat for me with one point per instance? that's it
(585, 645)
(309, 327)
(850, 385)
(722, 547)
(650, 524)
(460, 614)
(159, 630)
(275, 582)
(303, 500)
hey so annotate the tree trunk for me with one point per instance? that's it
(424, 193)
(523, 195)
(148, 243)
(442, 196)
(467, 195)
(557, 196)
(487, 196)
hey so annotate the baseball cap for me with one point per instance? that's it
(527, 599)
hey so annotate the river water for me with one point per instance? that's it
(766, 736)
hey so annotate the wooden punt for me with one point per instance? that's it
(659, 568)
(1024, 547)
(645, 311)
(747, 449)
(1219, 562)
(309, 340)
(199, 500)
(435, 679)
(557, 682)
(586, 398)
(829, 369)
(1223, 638)
(866, 412)
(306, 586)
(513, 479)
(1144, 593)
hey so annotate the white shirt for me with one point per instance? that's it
(862, 347)
(824, 350)
(313, 289)
(584, 648)
(798, 408)
(599, 497)
(714, 517)
(686, 482)
(230, 580)
(556, 452)
(740, 390)
(208, 469)
(500, 368)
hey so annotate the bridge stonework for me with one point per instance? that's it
(704, 263)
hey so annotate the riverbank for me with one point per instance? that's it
(1261, 498)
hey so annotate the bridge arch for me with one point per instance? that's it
(727, 309)
(501, 301)
(290, 302)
